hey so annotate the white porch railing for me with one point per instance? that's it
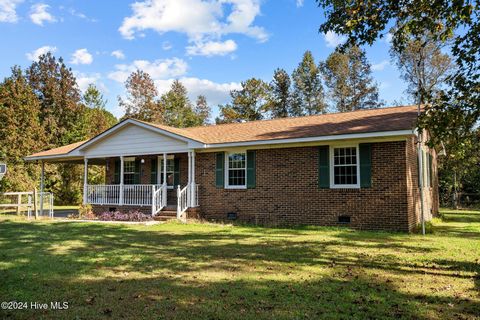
(159, 199)
(142, 195)
(129, 195)
(186, 198)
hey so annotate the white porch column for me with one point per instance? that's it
(42, 186)
(121, 181)
(189, 183)
(85, 180)
(194, 187)
(164, 168)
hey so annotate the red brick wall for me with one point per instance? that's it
(287, 191)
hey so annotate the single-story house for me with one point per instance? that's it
(359, 169)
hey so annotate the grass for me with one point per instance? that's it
(209, 271)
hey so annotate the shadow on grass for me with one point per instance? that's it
(66, 262)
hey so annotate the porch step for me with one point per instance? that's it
(164, 218)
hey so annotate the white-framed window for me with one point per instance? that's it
(129, 170)
(344, 167)
(170, 171)
(236, 170)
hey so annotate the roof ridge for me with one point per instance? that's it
(290, 118)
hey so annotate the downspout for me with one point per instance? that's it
(420, 173)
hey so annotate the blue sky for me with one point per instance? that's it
(209, 45)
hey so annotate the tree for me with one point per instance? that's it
(178, 110)
(60, 109)
(424, 67)
(62, 117)
(280, 95)
(20, 131)
(308, 89)
(348, 77)
(96, 118)
(203, 110)
(248, 104)
(454, 110)
(141, 100)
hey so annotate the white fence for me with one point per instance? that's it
(25, 201)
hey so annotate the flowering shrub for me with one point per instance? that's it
(119, 216)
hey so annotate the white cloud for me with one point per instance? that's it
(118, 54)
(388, 38)
(299, 3)
(84, 80)
(8, 11)
(38, 52)
(39, 14)
(333, 40)
(158, 69)
(212, 48)
(380, 66)
(216, 93)
(202, 21)
(81, 56)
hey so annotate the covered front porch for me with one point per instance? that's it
(150, 182)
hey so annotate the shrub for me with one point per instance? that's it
(119, 216)
(85, 212)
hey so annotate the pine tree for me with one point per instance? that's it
(349, 80)
(141, 100)
(20, 131)
(249, 103)
(308, 89)
(97, 119)
(280, 95)
(203, 110)
(178, 110)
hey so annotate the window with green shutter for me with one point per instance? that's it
(116, 172)
(176, 172)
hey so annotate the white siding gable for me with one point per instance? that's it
(134, 140)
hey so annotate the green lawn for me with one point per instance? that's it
(222, 272)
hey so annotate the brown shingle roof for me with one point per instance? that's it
(373, 120)
(363, 121)
(58, 151)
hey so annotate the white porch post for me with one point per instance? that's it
(164, 168)
(193, 186)
(85, 180)
(189, 184)
(121, 181)
(42, 186)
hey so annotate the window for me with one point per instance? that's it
(170, 171)
(345, 170)
(236, 173)
(129, 171)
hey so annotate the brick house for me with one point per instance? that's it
(358, 169)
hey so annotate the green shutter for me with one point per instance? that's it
(365, 165)
(251, 174)
(153, 171)
(137, 172)
(323, 167)
(176, 172)
(219, 170)
(116, 174)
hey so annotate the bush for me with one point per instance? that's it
(119, 216)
